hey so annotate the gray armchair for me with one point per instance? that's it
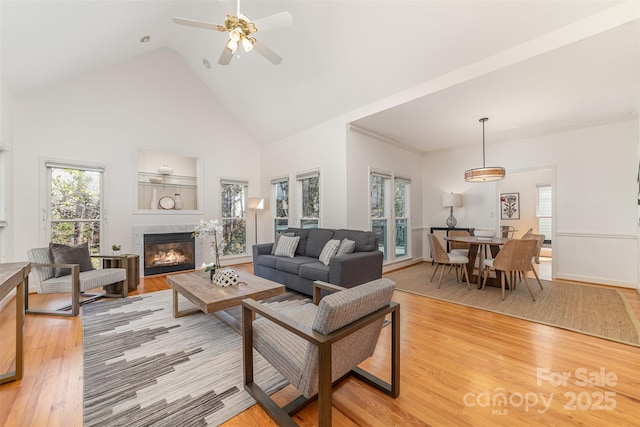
(317, 345)
(77, 283)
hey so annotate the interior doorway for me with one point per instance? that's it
(526, 203)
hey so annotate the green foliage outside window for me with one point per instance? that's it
(75, 207)
(311, 197)
(234, 221)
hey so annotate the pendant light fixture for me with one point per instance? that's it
(484, 174)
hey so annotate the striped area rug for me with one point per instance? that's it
(142, 367)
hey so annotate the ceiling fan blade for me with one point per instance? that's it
(265, 51)
(199, 24)
(225, 56)
(228, 7)
(279, 20)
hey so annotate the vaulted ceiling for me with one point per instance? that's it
(340, 56)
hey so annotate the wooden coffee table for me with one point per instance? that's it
(211, 299)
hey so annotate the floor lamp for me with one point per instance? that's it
(257, 204)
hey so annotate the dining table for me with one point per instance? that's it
(477, 249)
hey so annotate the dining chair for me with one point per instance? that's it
(442, 258)
(459, 248)
(514, 257)
(507, 231)
(539, 238)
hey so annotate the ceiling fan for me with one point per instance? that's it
(241, 30)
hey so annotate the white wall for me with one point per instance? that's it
(595, 236)
(154, 102)
(6, 178)
(322, 147)
(364, 152)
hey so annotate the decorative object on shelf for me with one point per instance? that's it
(484, 174)
(167, 202)
(210, 229)
(116, 249)
(155, 179)
(154, 200)
(257, 204)
(178, 202)
(510, 206)
(451, 200)
(224, 277)
(165, 170)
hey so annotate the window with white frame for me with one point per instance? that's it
(234, 216)
(390, 213)
(380, 204)
(309, 197)
(281, 197)
(74, 205)
(544, 211)
(401, 215)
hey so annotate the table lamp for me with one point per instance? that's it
(451, 200)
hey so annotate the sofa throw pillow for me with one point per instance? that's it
(275, 244)
(329, 251)
(346, 247)
(64, 254)
(287, 246)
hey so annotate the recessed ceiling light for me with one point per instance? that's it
(145, 39)
(206, 63)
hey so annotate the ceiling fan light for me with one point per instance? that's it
(232, 45)
(247, 43)
(235, 35)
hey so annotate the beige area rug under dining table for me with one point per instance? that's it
(591, 310)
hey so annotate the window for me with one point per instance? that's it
(401, 213)
(543, 211)
(380, 185)
(75, 204)
(390, 213)
(309, 190)
(281, 196)
(234, 216)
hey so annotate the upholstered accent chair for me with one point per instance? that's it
(442, 259)
(514, 257)
(317, 345)
(43, 274)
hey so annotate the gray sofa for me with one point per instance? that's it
(299, 272)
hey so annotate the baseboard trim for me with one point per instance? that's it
(595, 280)
(387, 268)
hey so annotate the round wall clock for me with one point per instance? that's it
(167, 202)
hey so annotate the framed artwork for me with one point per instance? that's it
(510, 206)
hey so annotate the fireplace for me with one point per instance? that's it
(168, 252)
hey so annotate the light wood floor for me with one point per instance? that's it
(455, 361)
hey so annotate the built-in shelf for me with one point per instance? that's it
(180, 181)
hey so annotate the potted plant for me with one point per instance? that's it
(116, 249)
